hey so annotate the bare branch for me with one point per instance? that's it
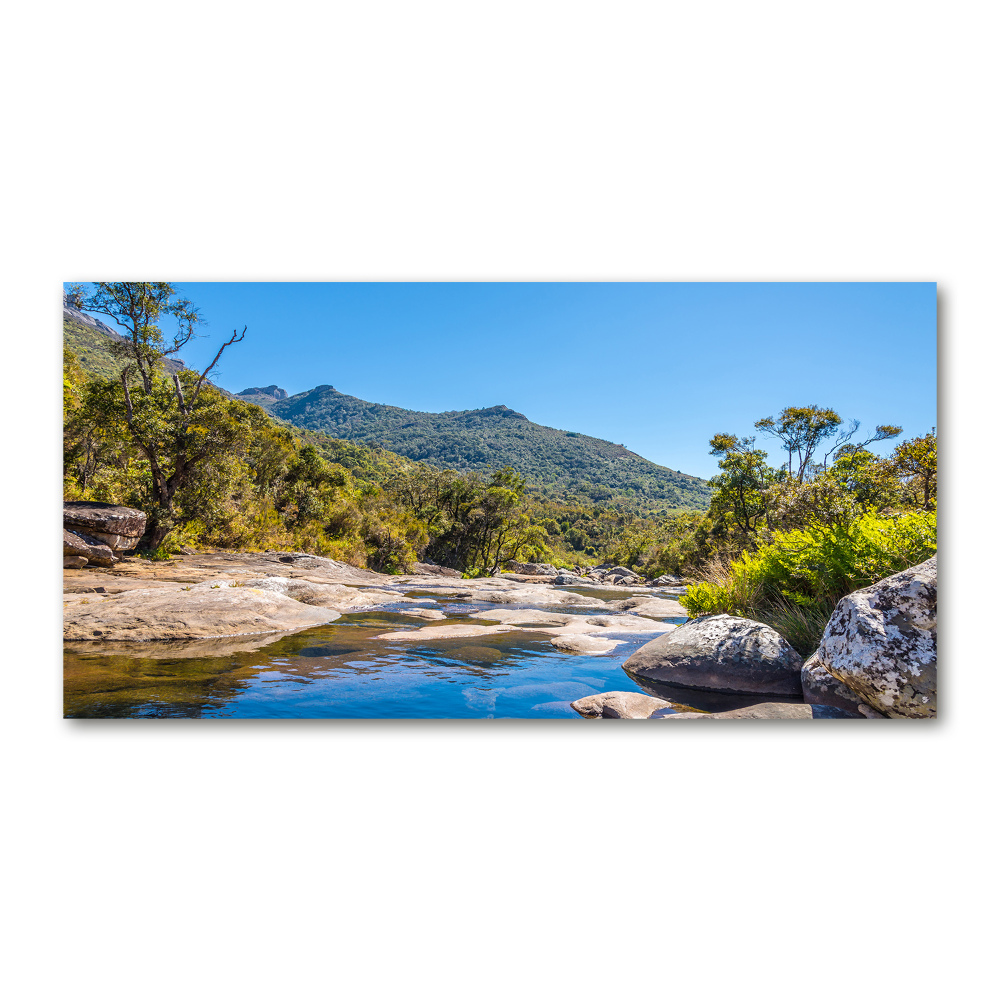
(128, 398)
(234, 339)
(180, 395)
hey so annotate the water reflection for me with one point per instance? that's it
(341, 670)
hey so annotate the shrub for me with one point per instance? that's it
(794, 582)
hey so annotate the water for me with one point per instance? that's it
(341, 671)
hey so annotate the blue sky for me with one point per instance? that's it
(658, 367)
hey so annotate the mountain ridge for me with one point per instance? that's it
(554, 460)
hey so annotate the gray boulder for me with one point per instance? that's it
(120, 528)
(720, 653)
(881, 643)
(92, 550)
(820, 687)
(666, 581)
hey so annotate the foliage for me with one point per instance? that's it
(811, 568)
(916, 464)
(561, 464)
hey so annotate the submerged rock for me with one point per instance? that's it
(618, 705)
(768, 710)
(881, 642)
(721, 653)
(583, 643)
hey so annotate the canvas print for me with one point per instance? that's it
(579, 501)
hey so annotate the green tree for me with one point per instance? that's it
(916, 462)
(178, 429)
(739, 488)
(800, 429)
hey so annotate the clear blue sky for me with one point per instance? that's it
(659, 368)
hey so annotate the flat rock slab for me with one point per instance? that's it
(320, 595)
(524, 616)
(431, 614)
(618, 705)
(652, 607)
(198, 613)
(534, 595)
(433, 632)
(767, 710)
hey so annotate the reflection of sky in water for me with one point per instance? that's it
(341, 670)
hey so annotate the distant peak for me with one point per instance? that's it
(267, 390)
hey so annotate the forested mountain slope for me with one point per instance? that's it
(560, 462)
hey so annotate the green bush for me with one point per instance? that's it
(794, 582)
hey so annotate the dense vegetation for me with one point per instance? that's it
(780, 544)
(783, 545)
(561, 464)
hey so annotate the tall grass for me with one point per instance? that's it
(794, 582)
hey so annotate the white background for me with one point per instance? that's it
(202, 141)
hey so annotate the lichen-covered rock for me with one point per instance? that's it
(820, 687)
(881, 642)
(618, 705)
(120, 528)
(720, 653)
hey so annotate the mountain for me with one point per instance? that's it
(264, 397)
(560, 462)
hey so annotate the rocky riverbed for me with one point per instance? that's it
(238, 633)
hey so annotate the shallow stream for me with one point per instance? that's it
(342, 671)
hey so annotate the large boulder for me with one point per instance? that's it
(91, 549)
(192, 613)
(720, 653)
(618, 705)
(820, 687)
(881, 642)
(120, 528)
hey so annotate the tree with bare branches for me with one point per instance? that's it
(176, 425)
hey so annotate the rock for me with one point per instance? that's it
(431, 614)
(666, 581)
(585, 644)
(432, 632)
(532, 569)
(820, 687)
(881, 642)
(768, 710)
(618, 705)
(321, 595)
(720, 653)
(92, 549)
(189, 614)
(120, 528)
(433, 570)
(566, 579)
(537, 595)
(652, 607)
(74, 562)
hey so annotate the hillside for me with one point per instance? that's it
(560, 463)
